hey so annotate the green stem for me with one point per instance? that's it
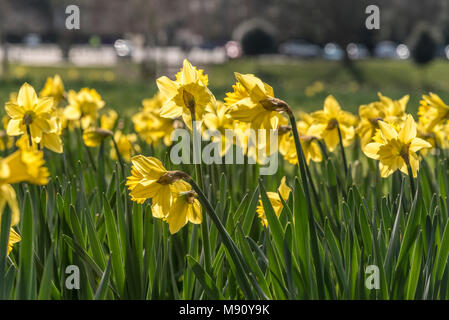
(412, 182)
(119, 157)
(226, 238)
(343, 154)
(312, 227)
(198, 166)
(89, 154)
(30, 141)
(199, 177)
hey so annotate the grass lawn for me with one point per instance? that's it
(289, 80)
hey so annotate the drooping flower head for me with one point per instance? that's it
(251, 103)
(185, 208)
(149, 179)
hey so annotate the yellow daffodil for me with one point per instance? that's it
(149, 179)
(83, 106)
(254, 107)
(108, 120)
(6, 142)
(397, 149)
(275, 201)
(150, 126)
(22, 165)
(217, 119)
(433, 113)
(235, 96)
(185, 208)
(314, 88)
(385, 109)
(184, 95)
(126, 145)
(14, 237)
(29, 114)
(93, 137)
(309, 143)
(54, 88)
(327, 120)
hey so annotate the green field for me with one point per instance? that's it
(123, 91)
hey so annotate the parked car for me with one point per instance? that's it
(386, 50)
(301, 49)
(402, 51)
(443, 51)
(357, 51)
(32, 39)
(333, 51)
(123, 48)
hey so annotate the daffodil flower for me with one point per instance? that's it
(309, 144)
(30, 115)
(327, 122)
(284, 190)
(150, 126)
(126, 145)
(396, 149)
(185, 208)
(54, 88)
(254, 106)
(385, 109)
(185, 95)
(149, 179)
(83, 106)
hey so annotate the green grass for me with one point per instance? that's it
(122, 90)
(319, 248)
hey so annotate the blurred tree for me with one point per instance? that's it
(424, 41)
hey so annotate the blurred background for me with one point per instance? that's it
(305, 49)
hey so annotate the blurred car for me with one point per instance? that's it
(386, 50)
(333, 51)
(300, 48)
(443, 51)
(402, 51)
(233, 49)
(123, 48)
(357, 51)
(32, 39)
